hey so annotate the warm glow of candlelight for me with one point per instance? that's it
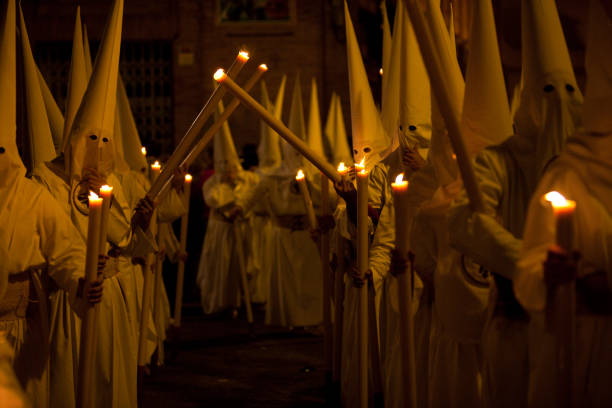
(361, 164)
(143, 150)
(93, 197)
(263, 67)
(559, 202)
(188, 178)
(243, 55)
(363, 172)
(156, 165)
(400, 182)
(300, 175)
(106, 189)
(380, 71)
(219, 75)
(454, 156)
(342, 169)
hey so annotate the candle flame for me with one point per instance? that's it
(363, 172)
(300, 175)
(243, 55)
(380, 71)
(106, 189)
(263, 67)
(93, 197)
(361, 164)
(557, 200)
(454, 156)
(219, 75)
(341, 167)
(143, 150)
(156, 165)
(399, 179)
(188, 178)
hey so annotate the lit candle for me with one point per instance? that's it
(278, 126)
(86, 357)
(312, 218)
(342, 169)
(106, 192)
(155, 171)
(180, 277)
(362, 265)
(380, 71)
(564, 212)
(143, 151)
(402, 226)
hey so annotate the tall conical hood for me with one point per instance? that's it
(544, 50)
(386, 47)
(598, 96)
(330, 123)
(224, 155)
(315, 131)
(54, 114)
(39, 132)
(370, 142)
(268, 150)
(292, 160)
(92, 131)
(87, 52)
(486, 115)
(120, 164)
(132, 146)
(389, 113)
(77, 81)
(414, 92)
(11, 165)
(336, 134)
(549, 105)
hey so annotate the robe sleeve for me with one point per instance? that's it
(217, 194)
(480, 235)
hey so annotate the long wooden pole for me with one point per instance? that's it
(180, 276)
(86, 357)
(362, 265)
(338, 308)
(436, 62)
(325, 270)
(298, 144)
(243, 274)
(192, 133)
(158, 282)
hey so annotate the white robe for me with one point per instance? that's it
(219, 274)
(581, 173)
(37, 233)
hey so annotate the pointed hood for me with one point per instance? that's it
(386, 47)
(91, 137)
(598, 98)
(414, 92)
(292, 160)
(132, 146)
(550, 103)
(370, 141)
(11, 165)
(39, 133)
(120, 164)
(389, 113)
(330, 123)
(224, 155)
(486, 115)
(54, 114)
(87, 52)
(335, 131)
(315, 134)
(268, 150)
(77, 80)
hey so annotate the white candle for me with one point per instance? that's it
(564, 214)
(312, 218)
(155, 171)
(362, 265)
(180, 277)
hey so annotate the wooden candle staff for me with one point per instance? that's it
(400, 197)
(362, 266)
(87, 352)
(298, 144)
(243, 273)
(194, 130)
(180, 276)
(561, 304)
(436, 62)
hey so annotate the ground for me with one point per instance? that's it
(214, 362)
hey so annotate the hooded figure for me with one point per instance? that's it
(37, 239)
(371, 143)
(315, 133)
(581, 173)
(225, 193)
(386, 47)
(268, 151)
(335, 133)
(54, 114)
(507, 174)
